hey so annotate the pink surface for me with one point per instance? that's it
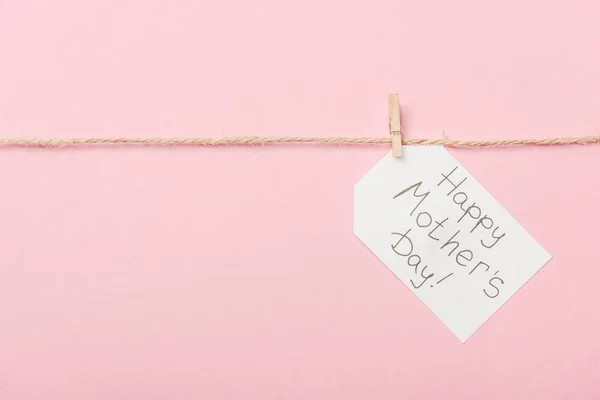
(193, 273)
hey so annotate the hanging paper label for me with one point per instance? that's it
(447, 239)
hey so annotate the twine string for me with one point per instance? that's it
(264, 140)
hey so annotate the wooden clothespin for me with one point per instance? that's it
(395, 126)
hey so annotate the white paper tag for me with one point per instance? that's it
(438, 230)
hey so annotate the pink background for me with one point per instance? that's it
(233, 273)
